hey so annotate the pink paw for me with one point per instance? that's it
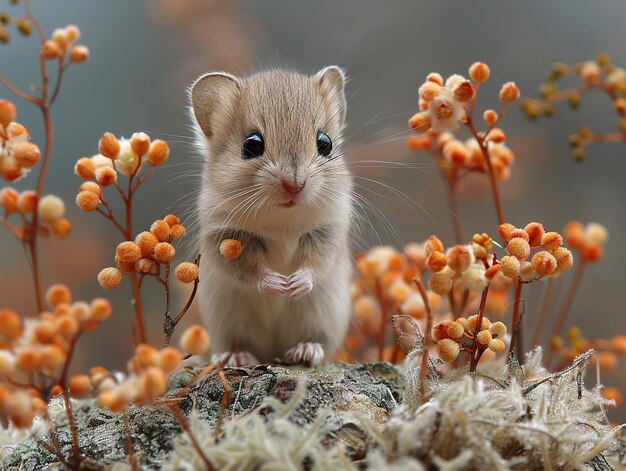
(236, 359)
(300, 283)
(305, 353)
(272, 282)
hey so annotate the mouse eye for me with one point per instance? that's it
(253, 146)
(324, 144)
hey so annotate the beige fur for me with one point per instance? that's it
(305, 246)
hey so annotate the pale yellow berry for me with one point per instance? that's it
(448, 350)
(509, 266)
(498, 329)
(455, 330)
(518, 248)
(496, 345)
(484, 337)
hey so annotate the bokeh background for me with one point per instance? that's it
(145, 54)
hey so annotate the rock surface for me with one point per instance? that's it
(371, 389)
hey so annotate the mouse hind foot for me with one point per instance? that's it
(305, 353)
(234, 359)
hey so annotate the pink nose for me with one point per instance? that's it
(292, 188)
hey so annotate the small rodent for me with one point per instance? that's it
(275, 179)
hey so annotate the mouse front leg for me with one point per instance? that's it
(271, 282)
(315, 250)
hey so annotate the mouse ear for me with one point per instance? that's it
(210, 92)
(331, 81)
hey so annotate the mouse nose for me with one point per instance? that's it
(292, 188)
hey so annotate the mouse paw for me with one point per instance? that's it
(300, 283)
(236, 359)
(272, 282)
(306, 353)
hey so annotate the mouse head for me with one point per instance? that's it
(273, 139)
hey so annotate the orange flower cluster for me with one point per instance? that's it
(458, 157)
(552, 260)
(51, 211)
(148, 370)
(594, 75)
(465, 335)
(587, 240)
(125, 156)
(148, 252)
(62, 44)
(17, 154)
(34, 353)
(575, 343)
(463, 265)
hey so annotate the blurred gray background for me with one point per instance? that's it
(144, 54)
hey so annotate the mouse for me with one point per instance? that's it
(274, 178)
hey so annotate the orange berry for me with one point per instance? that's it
(160, 229)
(10, 324)
(52, 357)
(440, 283)
(7, 363)
(455, 330)
(490, 117)
(518, 248)
(91, 186)
(498, 329)
(8, 112)
(140, 143)
(164, 252)
(50, 50)
(551, 240)
(496, 135)
(100, 309)
(27, 201)
(171, 219)
(618, 344)
(473, 320)
(231, 249)
(440, 330)
(152, 383)
(437, 261)
(106, 176)
(128, 252)
(147, 355)
(67, 326)
(58, 294)
(177, 231)
(591, 252)
(479, 72)
(544, 263)
(79, 54)
(8, 199)
(146, 241)
(26, 154)
(109, 146)
(169, 359)
(144, 265)
(505, 230)
(509, 93)
(448, 350)
(45, 332)
(80, 386)
(195, 340)
(492, 271)
(607, 361)
(28, 359)
(496, 345)
(187, 272)
(564, 259)
(433, 244)
(158, 153)
(87, 200)
(110, 278)
(535, 233)
(484, 337)
(419, 121)
(460, 258)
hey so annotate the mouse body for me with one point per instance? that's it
(274, 178)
